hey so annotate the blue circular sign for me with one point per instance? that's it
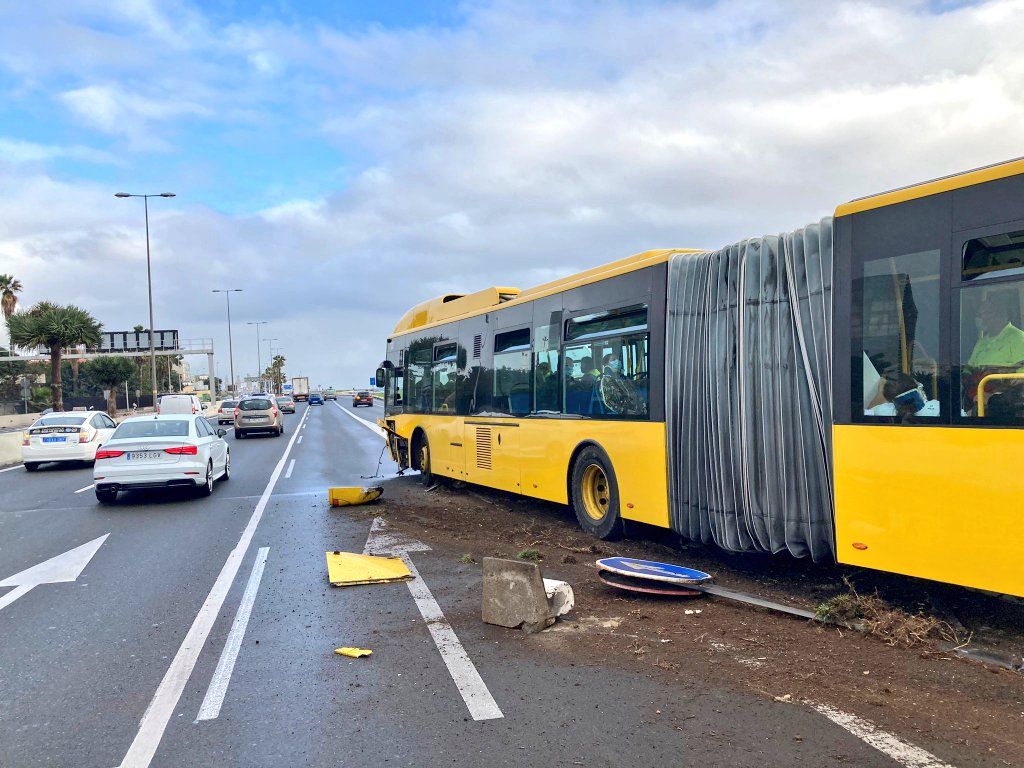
(655, 571)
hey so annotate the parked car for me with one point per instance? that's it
(330, 394)
(163, 451)
(226, 412)
(363, 397)
(286, 404)
(62, 437)
(316, 399)
(258, 414)
(171, 404)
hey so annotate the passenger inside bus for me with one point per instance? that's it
(999, 349)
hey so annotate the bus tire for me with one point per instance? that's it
(595, 494)
(423, 459)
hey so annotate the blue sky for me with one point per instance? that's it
(342, 161)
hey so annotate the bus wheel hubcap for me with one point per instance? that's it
(424, 458)
(596, 493)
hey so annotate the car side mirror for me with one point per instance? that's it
(221, 432)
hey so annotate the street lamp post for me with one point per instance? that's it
(231, 350)
(149, 281)
(259, 359)
(270, 349)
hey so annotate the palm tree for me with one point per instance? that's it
(112, 371)
(55, 327)
(8, 300)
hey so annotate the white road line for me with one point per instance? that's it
(88, 487)
(214, 698)
(888, 744)
(471, 686)
(368, 424)
(291, 466)
(11, 469)
(300, 438)
(154, 721)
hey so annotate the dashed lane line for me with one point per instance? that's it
(214, 699)
(11, 469)
(369, 425)
(168, 693)
(87, 488)
(291, 466)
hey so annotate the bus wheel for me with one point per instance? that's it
(424, 459)
(595, 494)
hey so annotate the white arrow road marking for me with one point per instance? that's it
(83, 490)
(218, 689)
(56, 570)
(158, 714)
(888, 744)
(481, 704)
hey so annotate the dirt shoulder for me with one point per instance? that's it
(961, 709)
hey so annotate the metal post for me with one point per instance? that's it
(231, 347)
(149, 279)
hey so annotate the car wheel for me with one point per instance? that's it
(207, 488)
(238, 434)
(106, 495)
(31, 466)
(595, 494)
(227, 466)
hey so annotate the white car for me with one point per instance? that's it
(68, 436)
(179, 404)
(163, 451)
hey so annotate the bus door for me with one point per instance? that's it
(447, 452)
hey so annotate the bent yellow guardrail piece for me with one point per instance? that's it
(346, 569)
(350, 496)
(354, 653)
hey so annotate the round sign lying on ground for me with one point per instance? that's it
(649, 569)
(645, 586)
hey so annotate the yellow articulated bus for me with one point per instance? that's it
(852, 390)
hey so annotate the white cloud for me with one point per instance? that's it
(19, 151)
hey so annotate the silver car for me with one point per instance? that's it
(258, 414)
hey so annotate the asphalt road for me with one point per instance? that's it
(84, 665)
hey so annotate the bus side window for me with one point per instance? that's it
(512, 372)
(991, 335)
(899, 338)
(545, 370)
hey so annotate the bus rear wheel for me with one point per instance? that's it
(595, 494)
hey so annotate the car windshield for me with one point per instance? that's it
(229, 404)
(60, 421)
(255, 404)
(284, 399)
(364, 394)
(152, 428)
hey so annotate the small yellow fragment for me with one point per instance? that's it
(350, 496)
(354, 653)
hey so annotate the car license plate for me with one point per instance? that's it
(255, 418)
(55, 439)
(139, 455)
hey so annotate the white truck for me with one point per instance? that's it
(300, 387)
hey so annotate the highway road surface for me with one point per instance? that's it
(169, 631)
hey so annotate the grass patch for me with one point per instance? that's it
(467, 559)
(893, 626)
(533, 555)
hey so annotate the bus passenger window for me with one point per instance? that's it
(512, 372)
(417, 371)
(443, 378)
(992, 352)
(545, 370)
(899, 338)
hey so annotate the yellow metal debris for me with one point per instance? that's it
(348, 496)
(354, 653)
(345, 569)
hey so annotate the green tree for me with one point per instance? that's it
(55, 327)
(275, 372)
(112, 371)
(9, 288)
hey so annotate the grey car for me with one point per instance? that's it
(258, 414)
(286, 404)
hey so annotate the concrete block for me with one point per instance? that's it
(516, 595)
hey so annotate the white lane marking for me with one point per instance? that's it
(479, 701)
(888, 744)
(291, 466)
(368, 424)
(88, 487)
(158, 714)
(60, 569)
(300, 438)
(214, 698)
(11, 469)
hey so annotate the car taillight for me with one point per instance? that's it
(106, 453)
(273, 411)
(183, 450)
(220, 410)
(84, 436)
(24, 438)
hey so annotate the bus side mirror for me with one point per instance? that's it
(381, 377)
